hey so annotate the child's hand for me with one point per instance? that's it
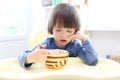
(38, 55)
(79, 36)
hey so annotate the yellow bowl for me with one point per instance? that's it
(56, 58)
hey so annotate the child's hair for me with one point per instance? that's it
(64, 15)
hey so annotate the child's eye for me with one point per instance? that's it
(69, 31)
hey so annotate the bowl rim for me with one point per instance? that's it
(57, 53)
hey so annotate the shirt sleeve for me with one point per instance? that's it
(22, 58)
(88, 53)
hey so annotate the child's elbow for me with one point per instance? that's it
(93, 63)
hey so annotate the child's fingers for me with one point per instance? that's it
(73, 38)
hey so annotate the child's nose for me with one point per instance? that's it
(64, 34)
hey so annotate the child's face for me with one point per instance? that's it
(63, 35)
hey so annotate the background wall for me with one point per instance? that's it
(106, 42)
(12, 48)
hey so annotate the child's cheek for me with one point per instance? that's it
(71, 36)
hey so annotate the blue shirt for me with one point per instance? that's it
(84, 50)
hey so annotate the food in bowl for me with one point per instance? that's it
(56, 58)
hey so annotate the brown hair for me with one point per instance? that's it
(64, 15)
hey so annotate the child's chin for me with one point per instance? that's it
(62, 45)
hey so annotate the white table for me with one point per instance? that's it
(75, 69)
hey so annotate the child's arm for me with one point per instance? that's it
(88, 53)
(36, 55)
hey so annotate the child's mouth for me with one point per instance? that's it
(63, 41)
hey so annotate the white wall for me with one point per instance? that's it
(106, 42)
(12, 48)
